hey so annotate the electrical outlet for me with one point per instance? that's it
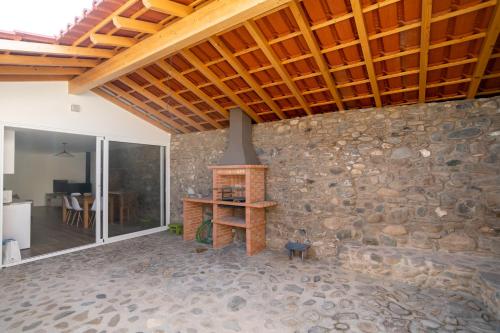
(75, 108)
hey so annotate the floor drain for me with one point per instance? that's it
(200, 249)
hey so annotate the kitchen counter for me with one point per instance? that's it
(17, 222)
(17, 202)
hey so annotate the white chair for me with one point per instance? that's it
(69, 209)
(78, 211)
(93, 209)
(75, 194)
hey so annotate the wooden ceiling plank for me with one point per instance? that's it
(52, 49)
(169, 92)
(108, 40)
(192, 88)
(9, 59)
(130, 109)
(136, 25)
(259, 38)
(200, 66)
(168, 7)
(464, 11)
(36, 70)
(485, 53)
(300, 18)
(145, 107)
(157, 100)
(233, 61)
(27, 78)
(365, 47)
(203, 23)
(425, 39)
(379, 5)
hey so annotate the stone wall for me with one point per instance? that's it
(420, 176)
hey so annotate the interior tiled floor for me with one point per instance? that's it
(159, 283)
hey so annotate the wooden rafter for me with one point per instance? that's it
(485, 53)
(160, 102)
(28, 78)
(145, 107)
(425, 34)
(168, 7)
(131, 109)
(259, 38)
(23, 60)
(193, 88)
(107, 40)
(24, 70)
(201, 24)
(104, 22)
(136, 25)
(177, 97)
(365, 47)
(200, 66)
(219, 45)
(52, 49)
(304, 27)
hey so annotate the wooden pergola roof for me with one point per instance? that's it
(183, 64)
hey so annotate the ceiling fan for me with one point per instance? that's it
(64, 152)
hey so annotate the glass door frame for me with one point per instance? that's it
(98, 166)
(164, 197)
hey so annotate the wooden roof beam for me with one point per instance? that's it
(129, 108)
(108, 40)
(305, 28)
(192, 88)
(201, 24)
(259, 38)
(134, 100)
(365, 47)
(27, 70)
(199, 65)
(168, 7)
(52, 49)
(9, 59)
(240, 69)
(485, 53)
(23, 78)
(160, 102)
(170, 93)
(425, 39)
(136, 25)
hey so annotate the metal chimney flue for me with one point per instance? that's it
(240, 150)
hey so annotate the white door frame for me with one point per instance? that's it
(100, 165)
(105, 192)
(2, 131)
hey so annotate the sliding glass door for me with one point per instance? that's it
(134, 188)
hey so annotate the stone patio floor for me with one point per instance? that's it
(159, 283)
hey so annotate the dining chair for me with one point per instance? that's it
(93, 209)
(78, 211)
(69, 209)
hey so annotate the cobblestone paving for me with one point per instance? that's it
(159, 283)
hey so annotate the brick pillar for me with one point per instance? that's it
(222, 235)
(256, 239)
(193, 217)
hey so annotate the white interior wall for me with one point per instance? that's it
(32, 183)
(46, 105)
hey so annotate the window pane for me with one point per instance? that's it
(135, 187)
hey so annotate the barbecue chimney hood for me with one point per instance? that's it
(240, 150)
